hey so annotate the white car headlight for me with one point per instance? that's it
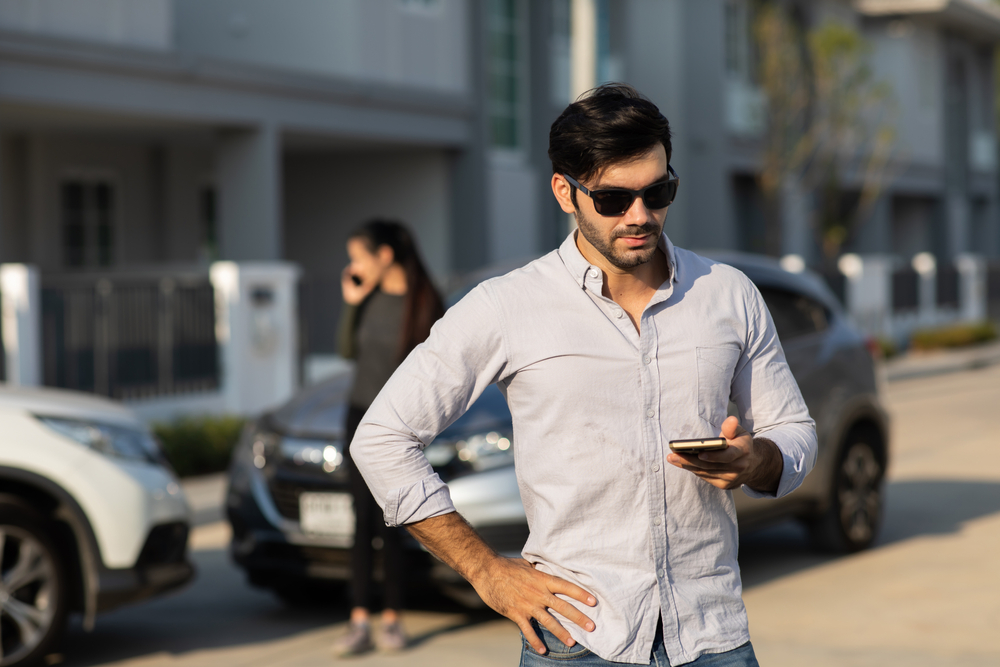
(128, 443)
(301, 451)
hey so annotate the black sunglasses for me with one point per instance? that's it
(617, 201)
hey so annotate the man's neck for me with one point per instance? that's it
(631, 288)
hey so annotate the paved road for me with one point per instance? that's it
(928, 594)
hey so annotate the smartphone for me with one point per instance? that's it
(698, 445)
(356, 280)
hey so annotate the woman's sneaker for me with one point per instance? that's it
(358, 640)
(391, 637)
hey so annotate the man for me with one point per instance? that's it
(606, 349)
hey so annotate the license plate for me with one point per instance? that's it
(327, 514)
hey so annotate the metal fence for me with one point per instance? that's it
(129, 335)
(905, 289)
(993, 290)
(947, 286)
(837, 283)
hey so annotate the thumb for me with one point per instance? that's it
(731, 428)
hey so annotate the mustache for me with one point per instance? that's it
(640, 230)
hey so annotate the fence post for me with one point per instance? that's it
(21, 315)
(926, 267)
(868, 292)
(257, 333)
(971, 287)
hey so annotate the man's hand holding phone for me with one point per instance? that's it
(756, 462)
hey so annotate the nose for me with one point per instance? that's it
(637, 214)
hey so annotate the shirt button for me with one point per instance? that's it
(656, 467)
(646, 360)
(656, 521)
(619, 314)
(650, 413)
(593, 273)
(659, 573)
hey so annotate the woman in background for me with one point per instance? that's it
(390, 306)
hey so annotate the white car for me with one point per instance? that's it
(91, 516)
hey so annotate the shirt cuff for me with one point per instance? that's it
(421, 500)
(794, 466)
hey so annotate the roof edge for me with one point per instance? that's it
(979, 19)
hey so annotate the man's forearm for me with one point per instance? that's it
(456, 543)
(767, 475)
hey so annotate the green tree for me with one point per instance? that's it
(827, 117)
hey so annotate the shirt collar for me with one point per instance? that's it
(580, 268)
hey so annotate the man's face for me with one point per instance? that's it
(628, 240)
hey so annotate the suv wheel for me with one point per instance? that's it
(855, 511)
(33, 586)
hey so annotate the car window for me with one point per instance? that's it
(794, 315)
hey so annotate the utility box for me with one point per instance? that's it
(256, 324)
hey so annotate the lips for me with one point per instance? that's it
(635, 241)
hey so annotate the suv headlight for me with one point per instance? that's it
(308, 451)
(261, 445)
(481, 451)
(128, 443)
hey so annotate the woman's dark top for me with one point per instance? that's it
(370, 333)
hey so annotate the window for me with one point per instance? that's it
(794, 315)
(505, 62)
(88, 233)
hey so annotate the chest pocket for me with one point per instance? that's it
(716, 366)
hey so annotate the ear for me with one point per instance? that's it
(563, 192)
(385, 255)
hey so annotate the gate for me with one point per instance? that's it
(129, 335)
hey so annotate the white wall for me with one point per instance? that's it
(326, 195)
(138, 23)
(415, 43)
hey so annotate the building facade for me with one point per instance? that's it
(174, 133)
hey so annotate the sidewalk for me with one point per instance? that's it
(923, 364)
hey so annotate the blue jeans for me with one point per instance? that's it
(579, 656)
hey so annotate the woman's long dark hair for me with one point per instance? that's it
(423, 303)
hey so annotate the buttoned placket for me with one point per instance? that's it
(652, 446)
(655, 458)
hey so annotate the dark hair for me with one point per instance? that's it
(423, 303)
(610, 124)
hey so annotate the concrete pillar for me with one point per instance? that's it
(249, 187)
(971, 287)
(21, 323)
(868, 291)
(926, 267)
(256, 327)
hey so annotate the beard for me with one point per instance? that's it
(620, 258)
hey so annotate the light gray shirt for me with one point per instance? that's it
(594, 403)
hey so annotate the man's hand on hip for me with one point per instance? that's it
(517, 590)
(756, 462)
(511, 586)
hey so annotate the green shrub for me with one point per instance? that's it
(199, 445)
(957, 335)
(887, 347)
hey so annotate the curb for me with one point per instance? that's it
(940, 363)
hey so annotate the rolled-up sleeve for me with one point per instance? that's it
(769, 401)
(465, 353)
